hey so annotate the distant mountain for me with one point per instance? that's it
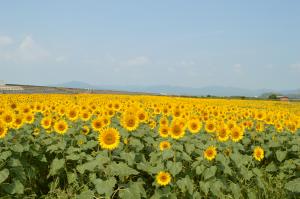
(176, 90)
(74, 84)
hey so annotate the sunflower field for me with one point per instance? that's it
(120, 146)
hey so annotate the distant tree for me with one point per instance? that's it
(273, 96)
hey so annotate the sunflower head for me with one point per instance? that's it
(61, 127)
(163, 178)
(210, 153)
(130, 122)
(109, 138)
(97, 124)
(29, 118)
(258, 153)
(164, 131)
(210, 126)
(164, 121)
(164, 145)
(177, 130)
(236, 133)
(19, 121)
(46, 122)
(142, 116)
(72, 114)
(85, 115)
(85, 130)
(222, 133)
(3, 130)
(8, 117)
(194, 125)
(36, 131)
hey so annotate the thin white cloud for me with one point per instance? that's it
(295, 66)
(269, 66)
(5, 41)
(138, 61)
(61, 59)
(27, 50)
(237, 68)
(30, 50)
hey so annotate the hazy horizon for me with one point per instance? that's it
(252, 45)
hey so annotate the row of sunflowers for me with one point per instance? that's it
(119, 146)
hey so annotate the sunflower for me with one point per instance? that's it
(130, 122)
(260, 127)
(176, 112)
(8, 118)
(194, 125)
(260, 115)
(29, 118)
(72, 114)
(85, 115)
(210, 126)
(292, 127)
(105, 120)
(163, 178)
(279, 127)
(111, 113)
(223, 133)
(46, 122)
(25, 109)
(61, 127)
(258, 153)
(164, 121)
(117, 106)
(85, 130)
(142, 116)
(210, 153)
(3, 130)
(164, 145)
(236, 133)
(109, 138)
(19, 121)
(164, 131)
(97, 124)
(176, 131)
(165, 110)
(61, 111)
(231, 124)
(36, 131)
(152, 124)
(126, 141)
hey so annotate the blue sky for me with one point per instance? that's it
(248, 44)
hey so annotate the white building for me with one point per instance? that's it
(9, 89)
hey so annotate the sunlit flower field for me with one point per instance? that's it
(121, 146)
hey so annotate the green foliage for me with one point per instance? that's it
(59, 166)
(293, 185)
(4, 175)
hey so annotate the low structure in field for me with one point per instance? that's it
(283, 98)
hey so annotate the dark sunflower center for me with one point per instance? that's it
(176, 130)
(209, 153)
(61, 127)
(163, 178)
(210, 127)
(109, 139)
(8, 118)
(194, 126)
(130, 123)
(97, 124)
(141, 116)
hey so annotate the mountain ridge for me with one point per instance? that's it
(181, 90)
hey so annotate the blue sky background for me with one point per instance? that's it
(248, 44)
